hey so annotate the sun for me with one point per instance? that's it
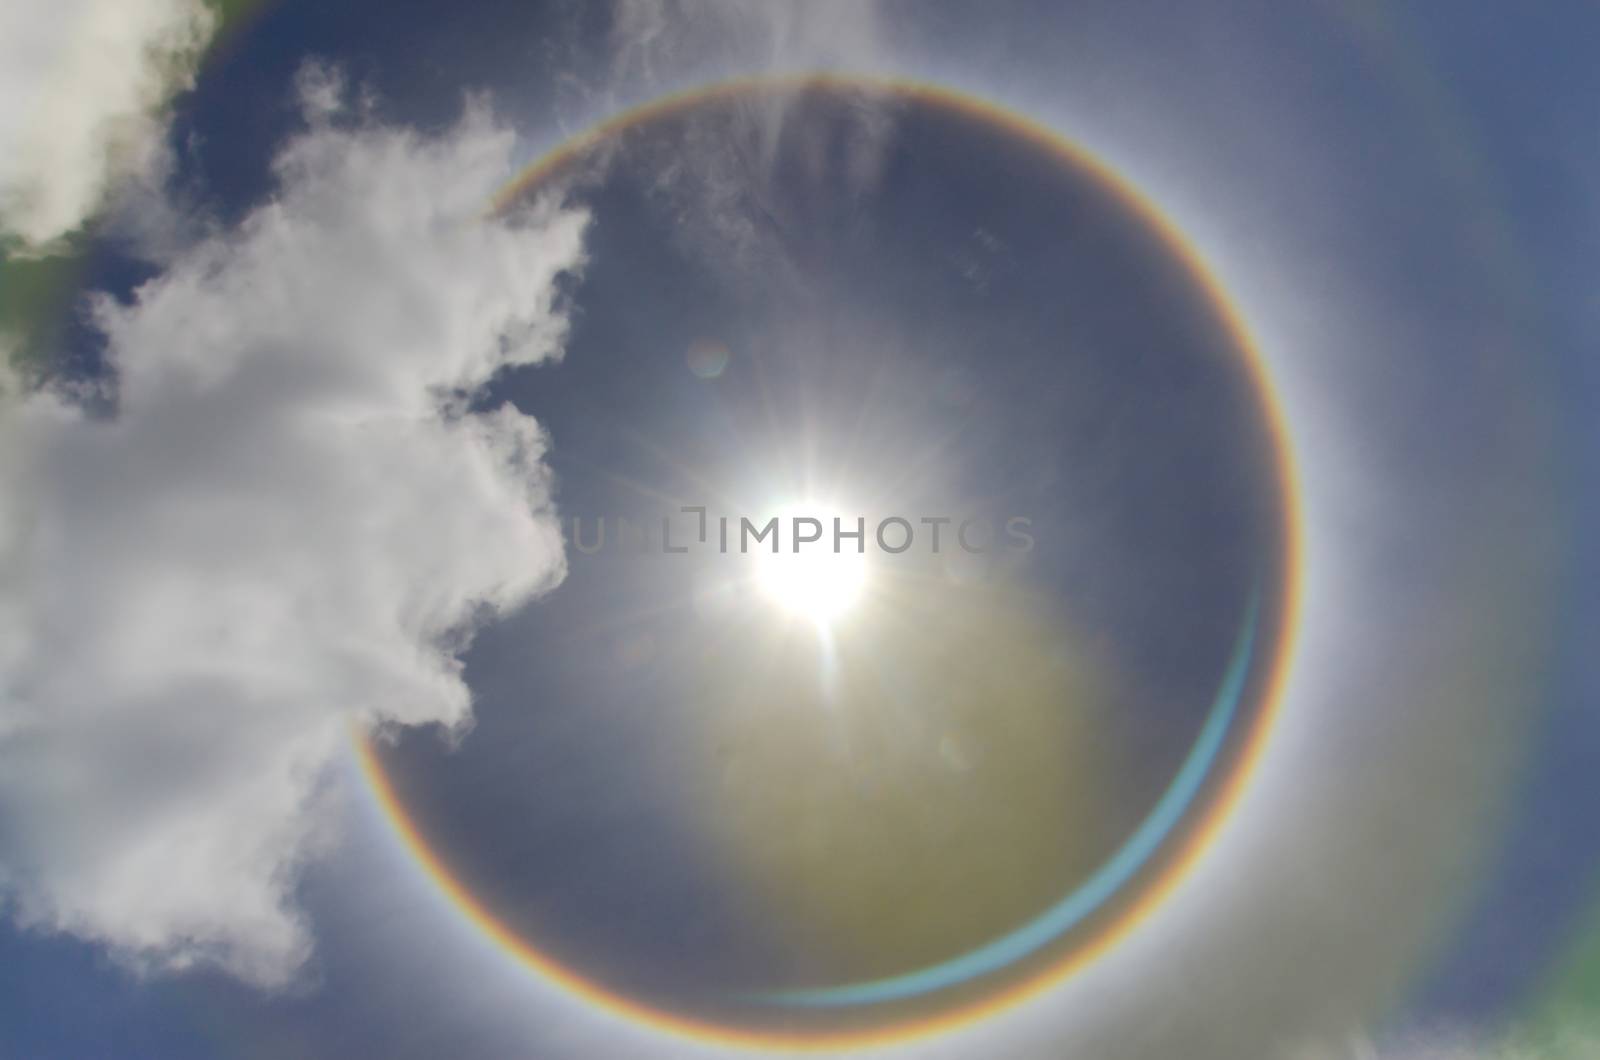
(815, 580)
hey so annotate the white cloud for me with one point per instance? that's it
(81, 85)
(292, 520)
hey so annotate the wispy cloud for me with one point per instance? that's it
(720, 176)
(657, 39)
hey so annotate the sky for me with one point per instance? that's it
(1253, 346)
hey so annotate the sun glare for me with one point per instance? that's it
(820, 580)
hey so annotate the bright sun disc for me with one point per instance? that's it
(818, 582)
